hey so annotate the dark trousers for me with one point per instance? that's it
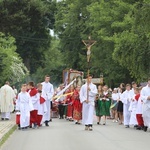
(61, 110)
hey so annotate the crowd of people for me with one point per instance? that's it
(32, 104)
(127, 104)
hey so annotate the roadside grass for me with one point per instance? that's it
(7, 135)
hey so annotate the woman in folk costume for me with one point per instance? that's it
(77, 106)
(41, 104)
(105, 103)
(98, 103)
(120, 104)
(34, 98)
(24, 106)
(145, 96)
(70, 100)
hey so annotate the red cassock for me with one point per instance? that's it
(139, 116)
(18, 119)
(69, 99)
(77, 106)
(33, 113)
(39, 117)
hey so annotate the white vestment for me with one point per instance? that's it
(132, 109)
(126, 99)
(34, 100)
(7, 96)
(49, 90)
(88, 108)
(42, 108)
(145, 92)
(139, 109)
(24, 105)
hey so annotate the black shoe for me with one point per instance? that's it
(104, 123)
(135, 126)
(145, 128)
(50, 120)
(46, 123)
(6, 118)
(76, 122)
(19, 128)
(98, 123)
(30, 126)
(127, 126)
(2, 118)
(13, 111)
(139, 128)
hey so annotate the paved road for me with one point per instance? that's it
(64, 135)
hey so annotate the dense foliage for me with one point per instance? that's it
(11, 66)
(120, 27)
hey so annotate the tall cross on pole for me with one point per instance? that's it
(88, 43)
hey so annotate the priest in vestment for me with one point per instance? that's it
(87, 97)
(7, 96)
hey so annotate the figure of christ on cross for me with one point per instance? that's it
(88, 43)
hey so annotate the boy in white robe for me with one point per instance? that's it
(87, 96)
(145, 96)
(41, 104)
(49, 90)
(133, 107)
(139, 111)
(24, 106)
(126, 99)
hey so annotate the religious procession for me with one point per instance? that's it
(36, 105)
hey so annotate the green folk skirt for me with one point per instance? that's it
(102, 108)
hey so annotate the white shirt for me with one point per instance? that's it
(145, 92)
(115, 96)
(91, 95)
(48, 89)
(127, 97)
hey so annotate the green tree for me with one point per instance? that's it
(132, 46)
(29, 22)
(11, 66)
(52, 65)
(71, 28)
